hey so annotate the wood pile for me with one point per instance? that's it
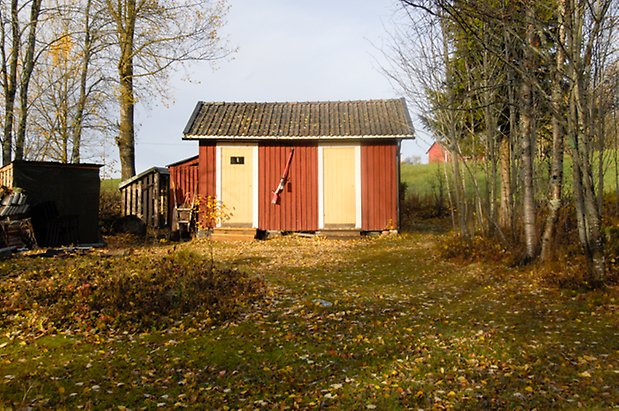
(15, 223)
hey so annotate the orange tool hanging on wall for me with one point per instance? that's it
(283, 181)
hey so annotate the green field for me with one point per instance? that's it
(422, 179)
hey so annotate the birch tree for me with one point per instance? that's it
(527, 128)
(420, 63)
(555, 57)
(555, 192)
(151, 38)
(10, 42)
(72, 102)
(586, 24)
(28, 63)
(18, 42)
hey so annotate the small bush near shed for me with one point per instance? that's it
(109, 205)
(128, 294)
(473, 249)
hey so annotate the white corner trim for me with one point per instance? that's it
(255, 181)
(218, 176)
(358, 188)
(321, 197)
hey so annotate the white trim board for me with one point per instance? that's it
(358, 187)
(358, 182)
(255, 181)
(218, 177)
(321, 195)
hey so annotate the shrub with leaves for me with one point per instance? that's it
(212, 212)
(475, 248)
(128, 294)
(109, 206)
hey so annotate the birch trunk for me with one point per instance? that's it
(506, 213)
(582, 132)
(527, 129)
(505, 208)
(9, 73)
(558, 132)
(78, 120)
(24, 84)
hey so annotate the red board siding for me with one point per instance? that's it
(379, 194)
(298, 207)
(183, 180)
(207, 165)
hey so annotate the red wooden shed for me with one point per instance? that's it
(302, 166)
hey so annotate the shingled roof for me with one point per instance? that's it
(301, 120)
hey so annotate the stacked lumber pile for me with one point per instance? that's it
(15, 224)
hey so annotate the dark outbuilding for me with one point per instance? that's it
(63, 199)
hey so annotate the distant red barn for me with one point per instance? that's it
(437, 153)
(309, 166)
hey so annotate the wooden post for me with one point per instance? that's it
(155, 199)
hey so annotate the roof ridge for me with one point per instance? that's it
(302, 102)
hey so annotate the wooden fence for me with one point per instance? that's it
(146, 196)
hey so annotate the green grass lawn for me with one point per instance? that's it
(405, 330)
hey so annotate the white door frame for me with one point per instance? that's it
(218, 179)
(321, 184)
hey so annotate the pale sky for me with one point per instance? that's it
(288, 50)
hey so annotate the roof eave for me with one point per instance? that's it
(160, 170)
(185, 160)
(232, 138)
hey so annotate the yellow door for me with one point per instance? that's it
(237, 165)
(339, 187)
